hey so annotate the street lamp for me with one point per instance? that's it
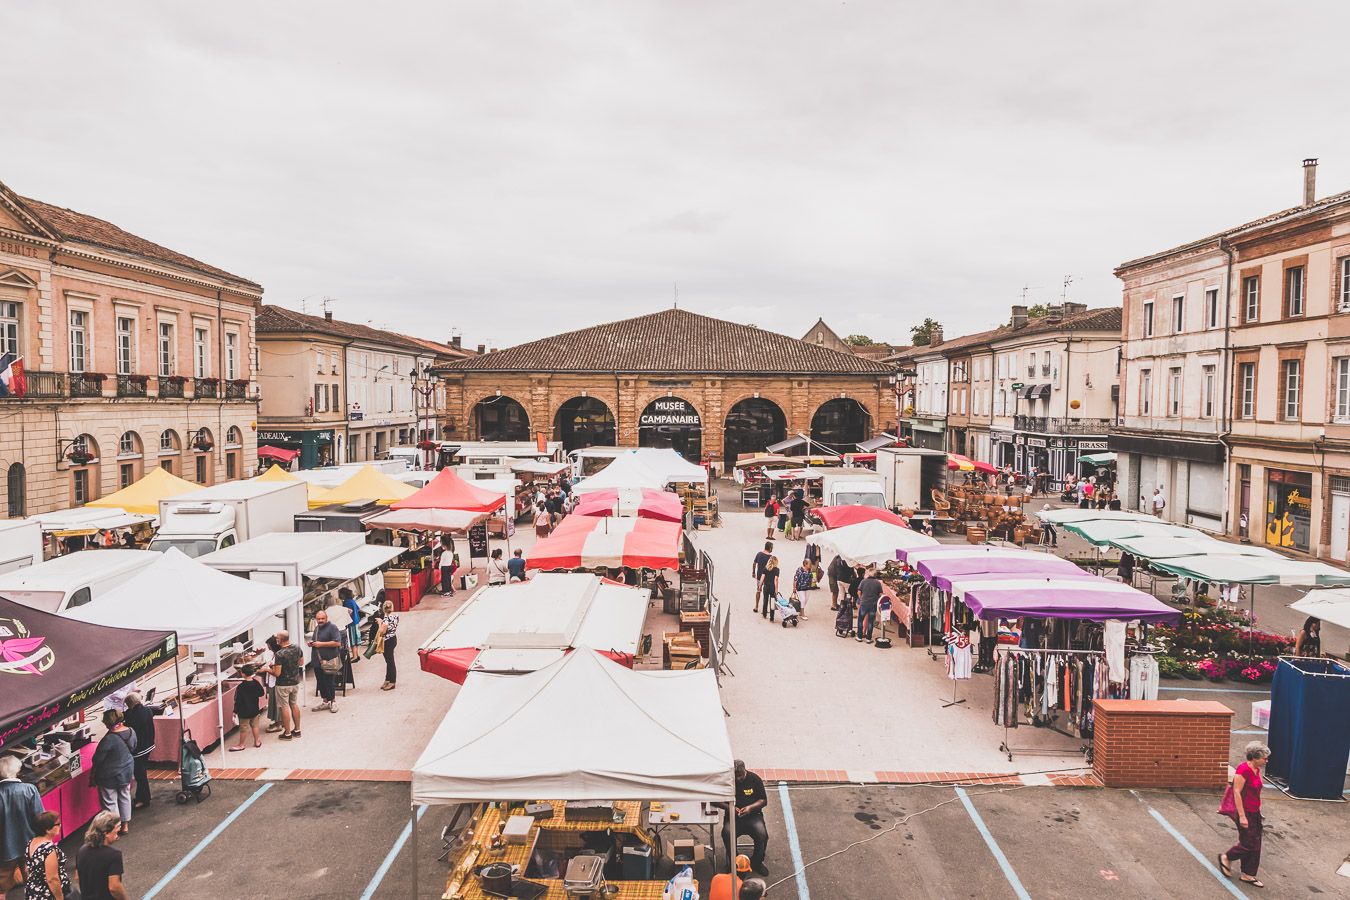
(424, 387)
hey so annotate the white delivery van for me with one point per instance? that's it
(222, 515)
(319, 562)
(852, 487)
(910, 474)
(74, 579)
(411, 457)
(20, 544)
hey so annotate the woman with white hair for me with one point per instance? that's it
(1247, 814)
(99, 864)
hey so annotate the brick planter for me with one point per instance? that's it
(1161, 743)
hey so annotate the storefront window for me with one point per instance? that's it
(1289, 509)
(584, 422)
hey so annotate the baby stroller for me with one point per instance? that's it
(192, 770)
(790, 610)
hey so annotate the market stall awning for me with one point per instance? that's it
(1034, 391)
(1331, 605)
(1253, 570)
(448, 491)
(765, 459)
(644, 503)
(355, 563)
(876, 443)
(1150, 547)
(369, 483)
(675, 468)
(1107, 531)
(1097, 459)
(143, 496)
(1077, 597)
(539, 467)
(266, 451)
(52, 666)
(590, 541)
(83, 520)
(627, 471)
(525, 626)
(792, 475)
(657, 736)
(797, 440)
(201, 604)
(957, 462)
(867, 543)
(1073, 514)
(277, 473)
(852, 514)
(939, 567)
(450, 521)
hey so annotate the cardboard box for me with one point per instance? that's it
(1261, 714)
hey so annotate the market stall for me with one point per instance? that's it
(209, 610)
(277, 455)
(522, 627)
(869, 543)
(65, 530)
(613, 542)
(644, 503)
(143, 496)
(663, 738)
(852, 514)
(958, 463)
(54, 669)
(369, 483)
(626, 471)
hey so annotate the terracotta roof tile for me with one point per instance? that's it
(85, 229)
(279, 320)
(672, 340)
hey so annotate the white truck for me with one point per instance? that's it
(74, 579)
(852, 487)
(910, 474)
(320, 562)
(20, 544)
(225, 514)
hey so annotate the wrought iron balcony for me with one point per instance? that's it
(236, 390)
(45, 384)
(1057, 425)
(205, 388)
(132, 386)
(171, 387)
(85, 384)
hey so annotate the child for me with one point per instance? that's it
(248, 706)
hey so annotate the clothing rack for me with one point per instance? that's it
(1006, 747)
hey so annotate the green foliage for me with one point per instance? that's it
(922, 334)
(859, 340)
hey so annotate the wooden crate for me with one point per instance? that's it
(679, 649)
(398, 578)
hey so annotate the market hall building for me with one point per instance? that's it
(708, 388)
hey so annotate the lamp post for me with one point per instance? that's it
(424, 388)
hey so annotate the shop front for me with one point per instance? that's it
(315, 447)
(1289, 509)
(672, 422)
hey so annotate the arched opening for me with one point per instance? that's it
(672, 422)
(16, 491)
(234, 442)
(130, 459)
(501, 419)
(584, 422)
(203, 443)
(752, 425)
(83, 457)
(840, 423)
(170, 448)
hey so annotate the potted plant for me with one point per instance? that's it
(173, 379)
(79, 455)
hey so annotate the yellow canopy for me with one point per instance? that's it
(277, 473)
(369, 483)
(143, 496)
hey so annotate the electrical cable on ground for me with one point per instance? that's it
(889, 830)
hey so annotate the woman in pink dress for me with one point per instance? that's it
(1247, 802)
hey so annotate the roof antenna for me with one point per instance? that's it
(1064, 295)
(324, 303)
(677, 295)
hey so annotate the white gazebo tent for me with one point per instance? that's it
(665, 461)
(202, 605)
(1332, 605)
(868, 543)
(627, 471)
(664, 738)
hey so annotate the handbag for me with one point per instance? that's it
(331, 666)
(1228, 805)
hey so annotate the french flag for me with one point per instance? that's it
(12, 382)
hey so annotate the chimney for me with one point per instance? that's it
(1019, 316)
(455, 341)
(1073, 309)
(482, 348)
(1309, 181)
(935, 336)
(327, 316)
(1054, 312)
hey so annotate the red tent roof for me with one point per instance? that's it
(641, 502)
(839, 516)
(448, 491)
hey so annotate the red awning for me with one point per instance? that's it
(839, 516)
(644, 503)
(448, 491)
(590, 541)
(267, 451)
(455, 664)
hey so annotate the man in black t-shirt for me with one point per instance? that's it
(757, 569)
(797, 508)
(751, 799)
(869, 597)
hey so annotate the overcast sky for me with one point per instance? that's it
(512, 168)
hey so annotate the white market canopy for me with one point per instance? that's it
(677, 469)
(175, 593)
(627, 471)
(1100, 532)
(538, 467)
(1098, 459)
(657, 735)
(1330, 606)
(87, 519)
(869, 542)
(1073, 514)
(1193, 544)
(1253, 570)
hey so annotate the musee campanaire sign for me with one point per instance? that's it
(670, 411)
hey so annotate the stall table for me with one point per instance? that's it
(201, 720)
(690, 814)
(461, 884)
(75, 800)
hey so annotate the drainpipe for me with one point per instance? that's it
(1225, 425)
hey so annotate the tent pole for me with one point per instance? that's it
(178, 680)
(220, 704)
(412, 846)
(731, 853)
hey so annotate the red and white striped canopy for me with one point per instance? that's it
(641, 502)
(613, 541)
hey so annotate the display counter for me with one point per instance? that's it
(550, 842)
(202, 719)
(67, 788)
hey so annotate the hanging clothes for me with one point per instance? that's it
(1113, 632)
(958, 655)
(1143, 677)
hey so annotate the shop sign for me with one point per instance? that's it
(295, 437)
(670, 411)
(1020, 439)
(1035, 442)
(354, 413)
(1092, 445)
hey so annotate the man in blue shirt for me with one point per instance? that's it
(20, 804)
(515, 567)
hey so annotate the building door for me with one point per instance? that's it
(1340, 516)
(1289, 509)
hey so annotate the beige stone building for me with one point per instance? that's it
(135, 356)
(710, 389)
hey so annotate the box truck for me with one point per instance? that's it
(20, 544)
(910, 475)
(225, 514)
(852, 487)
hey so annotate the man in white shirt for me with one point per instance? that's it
(1159, 503)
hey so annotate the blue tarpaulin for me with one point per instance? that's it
(1310, 727)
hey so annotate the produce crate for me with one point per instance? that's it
(398, 578)
(679, 649)
(698, 624)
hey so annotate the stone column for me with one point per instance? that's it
(714, 419)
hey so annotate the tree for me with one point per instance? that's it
(922, 334)
(859, 340)
(1035, 312)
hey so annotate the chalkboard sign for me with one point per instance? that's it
(478, 542)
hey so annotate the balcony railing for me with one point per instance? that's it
(236, 390)
(132, 386)
(45, 384)
(205, 388)
(170, 388)
(1056, 425)
(85, 386)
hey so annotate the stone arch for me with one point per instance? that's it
(498, 417)
(16, 491)
(671, 421)
(85, 471)
(751, 424)
(840, 423)
(584, 422)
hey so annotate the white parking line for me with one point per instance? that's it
(1013, 881)
(204, 843)
(1190, 848)
(392, 855)
(790, 823)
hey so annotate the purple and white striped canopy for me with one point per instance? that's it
(939, 567)
(1055, 597)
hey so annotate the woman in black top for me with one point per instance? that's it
(1309, 640)
(768, 586)
(98, 864)
(248, 707)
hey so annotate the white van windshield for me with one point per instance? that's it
(46, 601)
(192, 548)
(864, 498)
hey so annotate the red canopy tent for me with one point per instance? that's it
(644, 503)
(281, 453)
(612, 541)
(956, 461)
(448, 491)
(839, 516)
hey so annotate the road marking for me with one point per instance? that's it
(1189, 690)
(388, 863)
(275, 774)
(205, 842)
(1190, 848)
(1251, 731)
(1013, 881)
(794, 845)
